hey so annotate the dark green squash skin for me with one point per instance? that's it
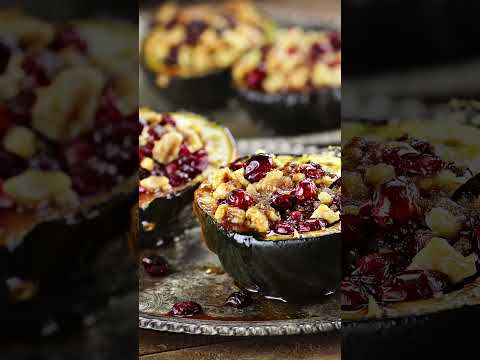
(296, 112)
(297, 270)
(211, 91)
(162, 212)
(52, 250)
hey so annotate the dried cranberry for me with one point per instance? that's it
(240, 199)
(12, 165)
(311, 225)
(68, 36)
(254, 78)
(336, 40)
(396, 201)
(412, 285)
(42, 67)
(257, 167)
(194, 30)
(306, 190)
(186, 309)
(283, 228)
(239, 300)
(282, 199)
(352, 296)
(155, 265)
(172, 57)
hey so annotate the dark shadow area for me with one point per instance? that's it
(68, 160)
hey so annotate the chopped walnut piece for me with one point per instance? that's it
(194, 143)
(147, 163)
(66, 109)
(223, 190)
(257, 220)
(153, 183)
(325, 198)
(230, 215)
(21, 141)
(167, 148)
(379, 174)
(324, 212)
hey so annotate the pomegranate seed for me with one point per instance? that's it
(186, 309)
(239, 164)
(257, 167)
(69, 37)
(155, 265)
(167, 119)
(172, 57)
(306, 190)
(336, 41)
(318, 50)
(396, 201)
(295, 216)
(194, 30)
(254, 78)
(282, 199)
(240, 199)
(239, 300)
(311, 225)
(412, 285)
(312, 171)
(352, 297)
(379, 266)
(283, 228)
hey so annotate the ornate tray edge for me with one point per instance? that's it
(223, 328)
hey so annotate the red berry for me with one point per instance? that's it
(254, 79)
(306, 190)
(257, 167)
(283, 228)
(238, 300)
(311, 225)
(155, 265)
(282, 199)
(240, 199)
(396, 202)
(186, 309)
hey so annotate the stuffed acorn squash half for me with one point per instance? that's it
(68, 146)
(293, 84)
(274, 223)
(189, 50)
(177, 152)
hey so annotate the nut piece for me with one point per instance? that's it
(230, 215)
(324, 212)
(167, 148)
(223, 190)
(154, 183)
(443, 223)
(439, 255)
(20, 140)
(66, 108)
(194, 143)
(257, 220)
(36, 186)
(147, 163)
(379, 174)
(325, 198)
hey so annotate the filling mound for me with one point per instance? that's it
(196, 40)
(275, 196)
(66, 133)
(405, 239)
(297, 61)
(171, 156)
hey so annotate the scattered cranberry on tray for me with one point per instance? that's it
(186, 309)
